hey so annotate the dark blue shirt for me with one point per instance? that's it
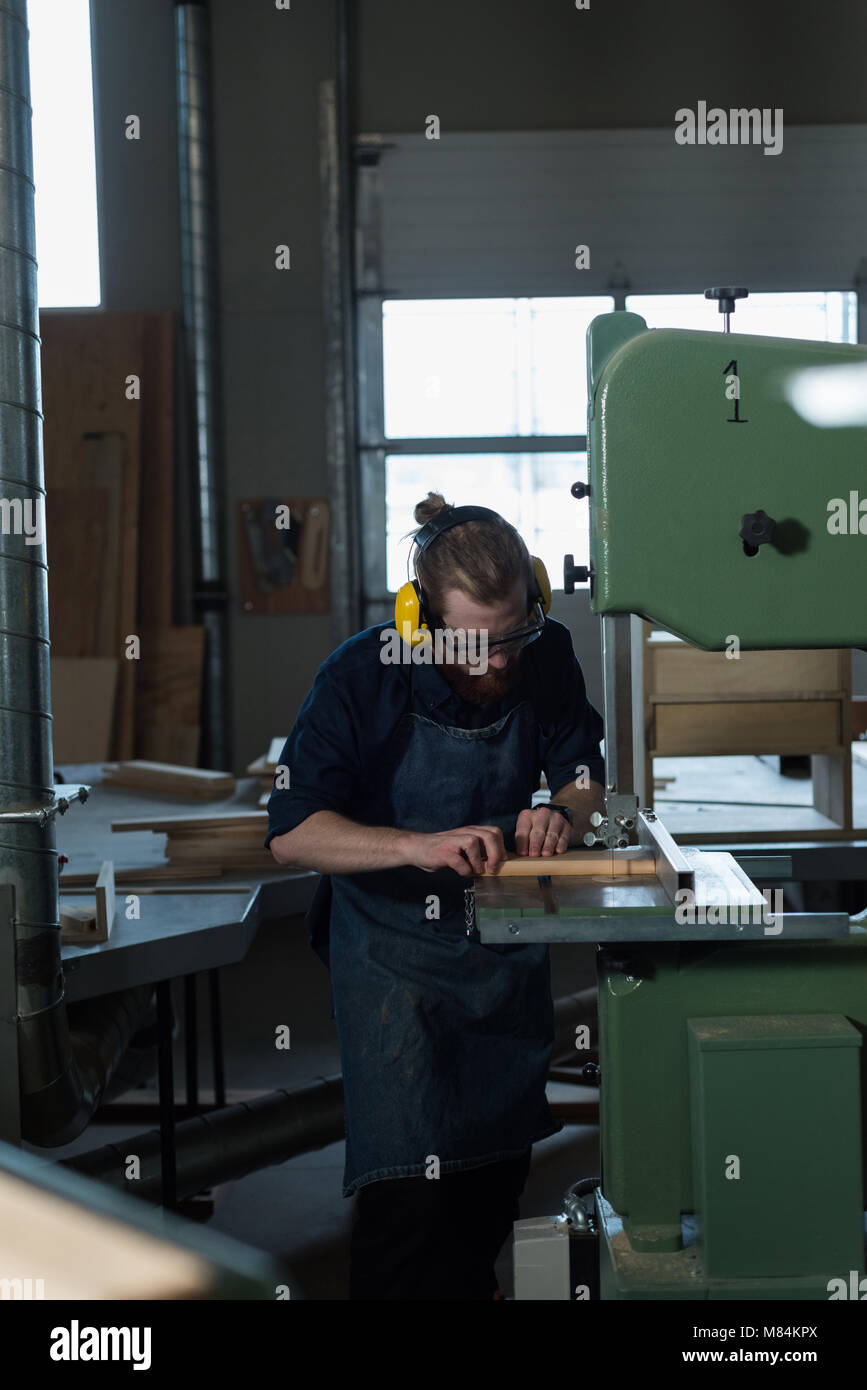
(357, 701)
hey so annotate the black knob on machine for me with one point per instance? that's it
(757, 528)
(725, 298)
(573, 574)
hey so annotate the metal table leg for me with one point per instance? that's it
(217, 1039)
(167, 1095)
(191, 1043)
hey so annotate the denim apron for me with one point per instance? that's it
(445, 1042)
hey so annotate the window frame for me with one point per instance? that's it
(377, 601)
(374, 447)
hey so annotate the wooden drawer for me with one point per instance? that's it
(678, 670)
(746, 726)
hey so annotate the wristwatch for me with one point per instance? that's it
(564, 810)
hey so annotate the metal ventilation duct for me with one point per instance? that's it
(227, 1144)
(62, 1075)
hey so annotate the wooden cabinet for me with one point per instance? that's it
(785, 702)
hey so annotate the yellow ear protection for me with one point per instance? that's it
(410, 615)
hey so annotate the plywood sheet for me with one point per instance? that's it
(156, 538)
(87, 359)
(169, 694)
(82, 702)
(82, 586)
(102, 465)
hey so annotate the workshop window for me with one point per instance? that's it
(486, 367)
(825, 316)
(529, 490)
(64, 156)
(501, 386)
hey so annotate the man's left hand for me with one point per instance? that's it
(541, 832)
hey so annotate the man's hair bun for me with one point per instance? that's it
(481, 558)
(432, 504)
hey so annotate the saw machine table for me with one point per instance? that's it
(634, 895)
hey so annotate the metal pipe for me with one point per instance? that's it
(617, 700)
(335, 172)
(203, 362)
(224, 1145)
(61, 1076)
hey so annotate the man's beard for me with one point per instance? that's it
(482, 689)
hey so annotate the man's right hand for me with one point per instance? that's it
(473, 849)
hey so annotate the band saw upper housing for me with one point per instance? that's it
(676, 461)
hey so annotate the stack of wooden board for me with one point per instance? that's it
(208, 842)
(170, 778)
(265, 766)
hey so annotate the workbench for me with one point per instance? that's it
(178, 932)
(188, 926)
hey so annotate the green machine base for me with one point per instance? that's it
(625, 1273)
(732, 1115)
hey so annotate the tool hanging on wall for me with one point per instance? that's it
(283, 559)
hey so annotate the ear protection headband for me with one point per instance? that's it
(409, 604)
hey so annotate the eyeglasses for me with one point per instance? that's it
(520, 637)
(514, 641)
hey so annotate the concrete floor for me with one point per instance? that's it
(296, 1211)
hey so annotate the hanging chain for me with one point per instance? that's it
(469, 911)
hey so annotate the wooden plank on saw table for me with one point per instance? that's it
(575, 861)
